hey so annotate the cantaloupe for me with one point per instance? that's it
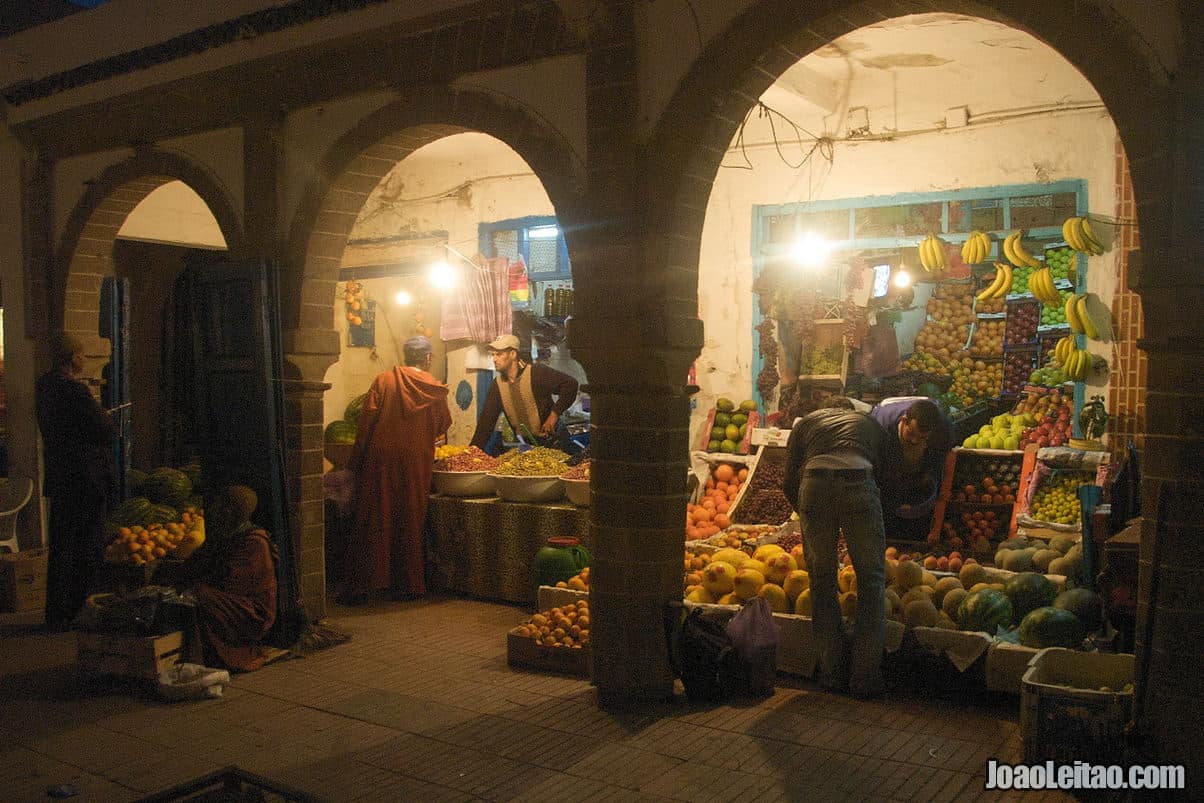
(946, 622)
(1020, 560)
(796, 583)
(700, 594)
(1063, 566)
(919, 592)
(909, 575)
(893, 602)
(1061, 544)
(920, 613)
(928, 579)
(979, 587)
(1001, 555)
(972, 574)
(719, 578)
(766, 551)
(780, 566)
(776, 597)
(943, 587)
(1043, 557)
(952, 600)
(892, 570)
(747, 583)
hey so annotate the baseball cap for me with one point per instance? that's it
(503, 342)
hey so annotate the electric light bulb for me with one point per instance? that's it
(902, 279)
(403, 298)
(810, 250)
(442, 276)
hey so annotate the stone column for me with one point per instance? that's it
(302, 433)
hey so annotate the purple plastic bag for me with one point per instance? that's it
(755, 636)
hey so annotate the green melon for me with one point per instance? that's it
(340, 432)
(985, 610)
(168, 486)
(1084, 604)
(1029, 591)
(134, 480)
(354, 407)
(1051, 627)
(131, 512)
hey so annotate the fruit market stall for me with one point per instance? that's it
(490, 516)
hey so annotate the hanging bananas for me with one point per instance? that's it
(1013, 249)
(1063, 349)
(932, 254)
(976, 248)
(1000, 285)
(1079, 364)
(1041, 285)
(1080, 236)
(1072, 313)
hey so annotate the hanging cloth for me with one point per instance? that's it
(518, 401)
(482, 311)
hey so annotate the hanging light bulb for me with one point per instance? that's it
(810, 250)
(442, 276)
(902, 279)
(403, 298)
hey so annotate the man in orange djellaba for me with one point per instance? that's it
(404, 414)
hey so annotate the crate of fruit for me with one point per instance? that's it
(1024, 316)
(763, 500)
(553, 640)
(1019, 363)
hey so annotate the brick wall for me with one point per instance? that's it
(1126, 396)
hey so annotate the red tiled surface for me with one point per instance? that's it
(1126, 396)
(420, 705)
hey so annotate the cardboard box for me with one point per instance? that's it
(525, 653)
(23, 581)
(142, 657)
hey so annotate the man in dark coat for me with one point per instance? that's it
(78, 442)
(918, 438)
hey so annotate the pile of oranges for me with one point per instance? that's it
(710, 515)
(578, 582)
(566, 626)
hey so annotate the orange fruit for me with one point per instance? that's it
(722, 521)
(723, 472)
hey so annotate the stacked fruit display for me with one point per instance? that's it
(1056, 499)
(578, 582)
(1020, 277)
(729, 424)
(951, 303)
(1048, 376)
(1061, 262)
(732, 576)
(984, 380)
(821, 362)
(138, 545)
(1053, 316)
(1051, 414)
(991, 306)
(927, 363)
(566, 626)
(743, 536)
(1023, 319)
(987, 340)
(986, 480)
(1018, 368)
(1004, 432)
(763, 502)
(710, 514)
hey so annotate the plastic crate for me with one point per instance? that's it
(1064, 717)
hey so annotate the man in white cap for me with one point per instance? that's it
(524, 392)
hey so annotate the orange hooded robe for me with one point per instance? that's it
(406, 410)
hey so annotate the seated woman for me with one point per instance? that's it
(233, 577)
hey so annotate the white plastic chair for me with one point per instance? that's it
(14, 495)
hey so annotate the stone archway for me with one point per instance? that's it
(84, 255)
(1153, 111)
(341, 184)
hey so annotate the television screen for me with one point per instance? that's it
(881, 280)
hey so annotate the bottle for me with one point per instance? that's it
(547, 301)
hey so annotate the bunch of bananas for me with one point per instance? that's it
(1079, 235)
(1076, 363)
(932, 254)
(1013, 249)
(976, 248)
(1041, 285)
(1000, 286)
(1085, 318)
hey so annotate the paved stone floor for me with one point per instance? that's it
(420, 706)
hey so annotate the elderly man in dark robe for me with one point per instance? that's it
(405, 413)
(233, 577)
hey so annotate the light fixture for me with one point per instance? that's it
(403, 298)
(442, 276)
(810, 250)
(902, 279)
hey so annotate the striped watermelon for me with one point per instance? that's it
(131, 512)
(1051, 627)
(168, 486)
(1028, 591)
(985, 610)
(1084, 604)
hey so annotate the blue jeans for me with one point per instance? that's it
(828, 504)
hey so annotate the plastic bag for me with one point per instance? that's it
(755, 636)
(706, 661)
(192, 682)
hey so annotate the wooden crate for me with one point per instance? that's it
(525, 653)
(23, 581)
(142, 657)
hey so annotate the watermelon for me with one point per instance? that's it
(1083, 603)
(132, 512)
(1051, 627)
(168, 486)
(354, 408)
(193, 472)
(162, 514)
(134, 480)
(340, 432)
(985, 610)
(1027, 592)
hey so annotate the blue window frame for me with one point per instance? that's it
(537, 239)
(892, 222)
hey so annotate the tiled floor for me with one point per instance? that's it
(421, 706)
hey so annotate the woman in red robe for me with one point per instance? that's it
(404, 414)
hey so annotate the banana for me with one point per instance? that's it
(1009, 253)
(991, 289)
(1026, 259)
(1006, 285)
(1076, 364)
(1072, 313)
(1063, 349)
(1070, 234)
(976, 248)
(931, 256)
(1036, 283)
(1089, 237)
(968, 248)
(1080, 307)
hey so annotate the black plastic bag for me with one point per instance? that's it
(706, 660)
